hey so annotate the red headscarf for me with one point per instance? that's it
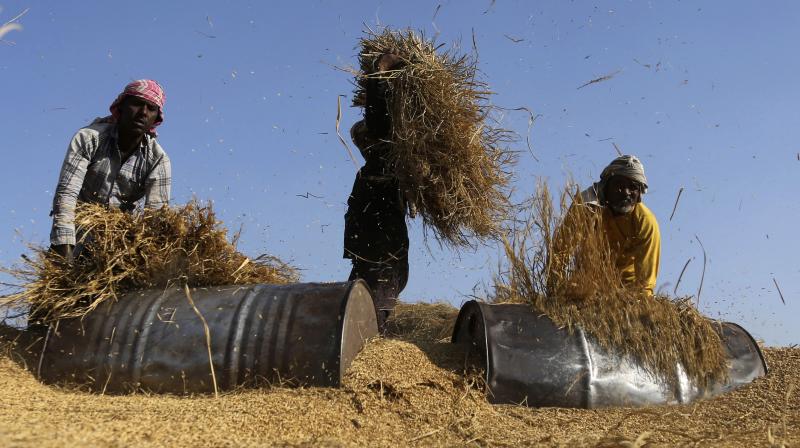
(146, 89)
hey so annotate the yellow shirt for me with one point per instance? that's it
(636, 241)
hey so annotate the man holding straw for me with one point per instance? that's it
(630, 227)
(376, 236)
(433, 147)
(114, 161)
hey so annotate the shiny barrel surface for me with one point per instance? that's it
(297, 334)
(529, 361)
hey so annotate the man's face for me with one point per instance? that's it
(622, 194)
(137, 115)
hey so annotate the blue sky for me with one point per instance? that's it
(705, 93)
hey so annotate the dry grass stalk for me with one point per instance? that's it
(565, 269)
(208, 338)
(447, 151)
(147, 249)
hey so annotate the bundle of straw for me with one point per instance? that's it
(563, 266)
(447, 153)
(147, 249)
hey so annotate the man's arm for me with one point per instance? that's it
(158, 184)
(70, 182)
(648, 251)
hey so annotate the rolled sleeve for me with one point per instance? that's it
(70, 182)
(158, 185)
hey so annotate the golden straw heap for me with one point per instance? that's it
(563, 266)
(447, 152)
(121, 252)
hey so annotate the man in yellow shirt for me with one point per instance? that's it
(631, 227)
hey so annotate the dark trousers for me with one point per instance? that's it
(385, 280)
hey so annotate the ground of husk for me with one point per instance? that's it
(407, 391)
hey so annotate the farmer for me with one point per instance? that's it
(630, 226)
(375, 233)
(115, 161)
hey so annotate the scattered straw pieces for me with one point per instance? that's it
(779, 290)
(147, 249)
(675, 207)
(599, 79)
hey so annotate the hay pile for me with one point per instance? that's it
(422, 321)
(565, 269)
(147, 249)
(447, 152)
(396, 393)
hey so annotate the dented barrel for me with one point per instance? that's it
(302, 334)
(528, 360)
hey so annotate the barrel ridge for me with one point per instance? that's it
(148, 318)
(235, 360)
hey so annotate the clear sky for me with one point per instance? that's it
(706, 93)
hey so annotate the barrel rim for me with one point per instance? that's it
(467, 309)
(351, 285)
(754, 344)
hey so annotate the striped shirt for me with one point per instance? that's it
(94, 172)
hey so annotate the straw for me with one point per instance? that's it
(565, 269)
(147, 249)
(447, 150)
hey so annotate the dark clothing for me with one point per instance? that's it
(375, 222)
(385, 280)
(376, 111)
(375, 232)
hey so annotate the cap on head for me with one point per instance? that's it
(628, 166)
(146, 89)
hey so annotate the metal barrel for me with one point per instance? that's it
(302, 334)
(528, 360)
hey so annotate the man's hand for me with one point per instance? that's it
(65, 251)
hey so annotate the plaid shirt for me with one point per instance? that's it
(93, 172)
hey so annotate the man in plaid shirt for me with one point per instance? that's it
(114, 161)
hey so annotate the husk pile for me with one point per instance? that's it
(565, 269)
(448, 155)
(396, 393)
(147, 249)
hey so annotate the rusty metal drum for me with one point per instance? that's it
(298, 334)
(529, 361)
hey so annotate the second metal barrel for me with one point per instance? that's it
(529, 360)
(154, 340)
